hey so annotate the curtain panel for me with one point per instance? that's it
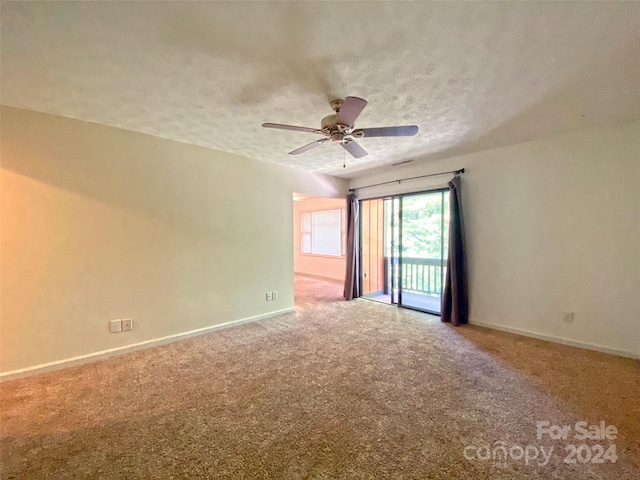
(352, 274)
(455, 300)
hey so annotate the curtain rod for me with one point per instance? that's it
(457, 172)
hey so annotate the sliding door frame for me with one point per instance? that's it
(399, 197)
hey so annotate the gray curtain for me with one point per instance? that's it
(455, 299)
(351, 287)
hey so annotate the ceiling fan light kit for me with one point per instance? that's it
(339, 127)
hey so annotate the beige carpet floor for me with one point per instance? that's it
(337, 389)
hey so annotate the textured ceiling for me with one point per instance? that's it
(471, 75)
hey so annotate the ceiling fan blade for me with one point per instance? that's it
(291, 127)
(406, 131)
(354, 149)
(351, 108)
(308, 146)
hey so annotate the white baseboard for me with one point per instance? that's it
(92, 357)
(563, 341)
(327, 277)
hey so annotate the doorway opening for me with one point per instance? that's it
(318, 248)
(404, 241)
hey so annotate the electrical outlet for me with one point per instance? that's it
(269, 296)
(127, 324)
(568, 317)
(274, 295)
(115, 326)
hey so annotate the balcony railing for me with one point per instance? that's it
(419, 275)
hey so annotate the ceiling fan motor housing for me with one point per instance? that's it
(329, 123)
(337, 136)
(337, 132)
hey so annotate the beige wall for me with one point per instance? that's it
(320, 265)
(100, 223)
(552, 226)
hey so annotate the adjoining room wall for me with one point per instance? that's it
(100, 223)
(318, 265)
(552, 226)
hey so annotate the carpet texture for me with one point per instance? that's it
(353, 390)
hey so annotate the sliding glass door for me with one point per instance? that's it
(392, 246)
(404, 249)
(423, 250)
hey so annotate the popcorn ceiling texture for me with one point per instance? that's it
(336, 390)
(471, 75)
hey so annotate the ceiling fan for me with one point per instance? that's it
(339, 127)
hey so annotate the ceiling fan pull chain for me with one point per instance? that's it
(344, 159)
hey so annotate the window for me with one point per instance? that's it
(321, 232)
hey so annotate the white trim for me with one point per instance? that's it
(309, 274)
(563, 341)
(341, 256)
(91, 357)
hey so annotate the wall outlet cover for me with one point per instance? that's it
(127, 324)
(115, 326)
